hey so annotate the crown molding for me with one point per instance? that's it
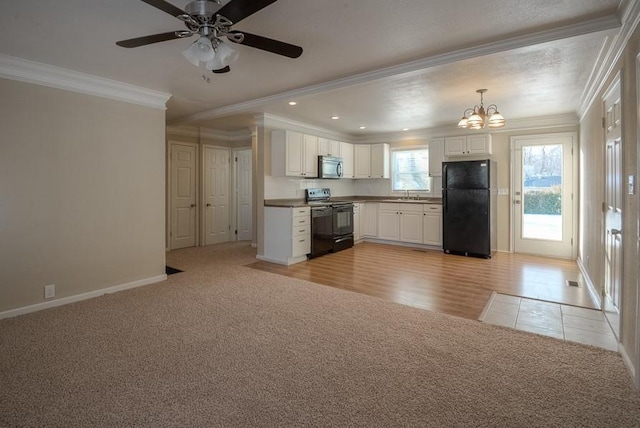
(273, 121)
(213, 134)
(182, 131)
(216, 134)
(23, 70)
(630, 18)
(513, 125)
(605, 23)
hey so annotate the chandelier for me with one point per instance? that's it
(478, 116)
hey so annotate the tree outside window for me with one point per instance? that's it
(410, 170)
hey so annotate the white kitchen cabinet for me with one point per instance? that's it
(327, 147)
(356, 222)
(380, 160)
(411, 223)
(362, 160)
(389, 221)
(436, 157)
(294, 154)
(468, 145)
(287, 237)
(371, 160)
(369, 220)
(432, 224)
(400, 222)
(346, 153)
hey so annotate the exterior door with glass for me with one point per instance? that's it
(543, 195)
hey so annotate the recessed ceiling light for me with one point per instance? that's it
(335, 117)
(292, 103)
(405, 129)
(363, 127)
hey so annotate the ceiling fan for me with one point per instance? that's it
(212, 22)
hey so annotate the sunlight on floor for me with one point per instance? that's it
(587, 326)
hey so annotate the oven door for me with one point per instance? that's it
(321, 230)
(342, 219)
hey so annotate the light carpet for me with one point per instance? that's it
(223, 345)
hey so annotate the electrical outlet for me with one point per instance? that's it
(49, 291)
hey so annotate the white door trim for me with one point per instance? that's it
(574, 203)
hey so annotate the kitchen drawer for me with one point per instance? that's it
(301, 221)
(432, 208)
(301, 230)
(301, 245)
(301, 211)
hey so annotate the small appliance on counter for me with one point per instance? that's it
(469, 200)
(331, 222)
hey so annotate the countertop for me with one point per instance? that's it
(296, 203)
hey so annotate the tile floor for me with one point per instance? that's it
(571, 323)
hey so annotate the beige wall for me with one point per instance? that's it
(593, 179)
(81, 193)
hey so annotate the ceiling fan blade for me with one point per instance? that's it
(222, 70)
(147, 40)
(237, 10)
(165, 7)
(269, 45)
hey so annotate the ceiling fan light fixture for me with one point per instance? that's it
(199, 51)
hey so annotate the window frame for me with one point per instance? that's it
(392, 171)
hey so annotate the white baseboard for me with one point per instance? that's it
(627, 361)
(590, 286)
(79, 297)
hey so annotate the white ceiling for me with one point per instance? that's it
(386, 65)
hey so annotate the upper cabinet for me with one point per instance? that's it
(327, 147)
(294, 154)
(371, 160)
(346, 153)
(467, 145)
(436, 157)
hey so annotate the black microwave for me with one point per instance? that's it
(329, 167)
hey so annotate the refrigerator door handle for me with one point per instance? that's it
(444, 200)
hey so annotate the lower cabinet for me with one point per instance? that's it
(410, 222)
(287, 237)
(356, 222)
(369, 220)
(432, 225)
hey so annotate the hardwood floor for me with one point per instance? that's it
(439, 282)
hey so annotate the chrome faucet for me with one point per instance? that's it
(406, 193)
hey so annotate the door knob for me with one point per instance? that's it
(517, 201)
(193, 205)
(208, 205)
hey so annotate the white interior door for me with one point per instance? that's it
(216, 195)
(183, 196)
(543, 195)
(613, 206)
(243, 195)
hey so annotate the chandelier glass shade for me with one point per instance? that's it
(478, 117)
(213, 52)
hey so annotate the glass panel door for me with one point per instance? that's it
(543, 205)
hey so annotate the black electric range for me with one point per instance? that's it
(331, 222)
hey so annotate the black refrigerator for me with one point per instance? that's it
(469, 201)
